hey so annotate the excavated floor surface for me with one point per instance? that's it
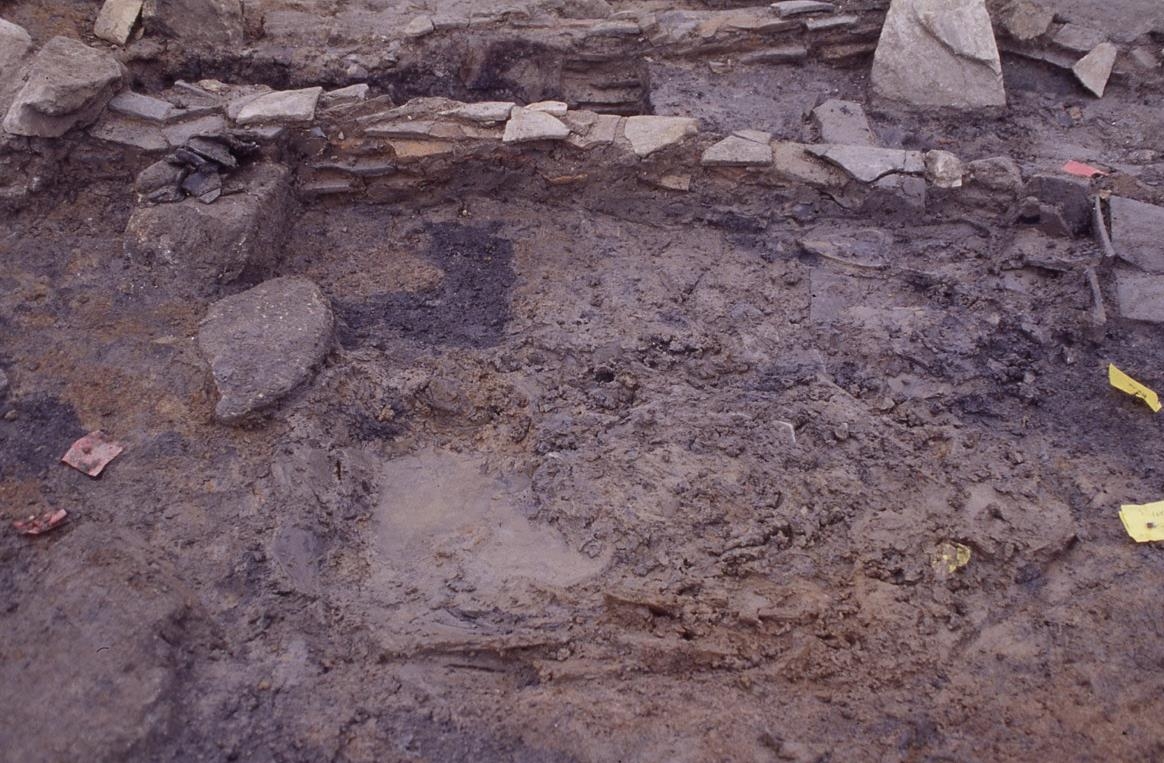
(597, 472)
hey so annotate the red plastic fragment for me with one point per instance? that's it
(92, 452)
(1079, 169)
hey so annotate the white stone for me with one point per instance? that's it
(589, 129)
(648, 134)
(738, 151)
(829, 22)
(419, 27)
(867, 163)
(281, 106)
(1094, 69)
(486, 112)
(938, 53)
(943, 169)
(556, 108)
(525, 125)
(843, 122)
(116, 19)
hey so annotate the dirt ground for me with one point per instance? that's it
(600, 472)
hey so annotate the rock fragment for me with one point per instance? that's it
(648, 134)
(140, 106)
(283, 106)
(1025, 20)
(843, 122)
(115, 20)
(15, 44)
(419, 27)
(1077, 38)
(996, 173)
(796, 7)
(202, 22)
(1094, 69)
(943, 169)
(263, 343)
(1140, 296)
(868, 163)
(68, 85)
(486, 112)
(554, 108)
(1137, 233)
(525, 125)
(938, 53)
(742, 149)
(345, 95)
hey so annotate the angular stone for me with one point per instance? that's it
(648, 134)
(943, 169)
(1140, 296)
(345, 95)
(194, 249)
(487, 112)
(160, 181)
(1094, 69)
(15, 44)
(129, 132)
(794, 162)
(283, 106)
(830, 22)
(797, 7)
(1077, 39)
(140, 106)
(554, 108)
(868, 163)
(115, 20)
(896, 194)
(525, 125)
(419, 27)
(843, 122)
(209, 22)
(179, 133)
(263, 343)
(938, 53)
(739, 151)
(68, 85)
(1137, 233)
(1026, 20)
(777, 55)
(589, 129)
(1067, 197)
(997, 173)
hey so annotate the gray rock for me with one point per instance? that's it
(588, 129)
(1026, 20)
(843, 122)
(1070, 198)
(1137, 233)
(213, 150)
(648, 134)
(195, 249)
(1094, 69)
(896, 194)
(161, 181)
(868, 163)
(1140, 296)
(553, 108)
(796, 7)
(179, 133)
(15, 45)
(263, 343)
(577, 9)
(202, 22)
(1077, 39)
(996, 173)
(129, 132)
(68, 85)
(938, 53)
(3, 383)
(777, 55)
(624, 28)
(284, 106)
(344, 95)
(525, 125)
(140, 106)
(419, 27)
(487, 112)
(115, 20)
(943, 169)
(825, 23)
(740, 151)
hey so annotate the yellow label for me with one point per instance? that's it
(1125, 383)
(949, 557)
(1144, 522)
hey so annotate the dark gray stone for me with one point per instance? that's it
(1070, 197)
(263, 343)
(195, 249)
(68, 85)
(1137, 233)
(214, 150)
(204, 184)
(996, 173)
(211, 22)
(162, 180)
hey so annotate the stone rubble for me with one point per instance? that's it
(67, 86)
(263, 343)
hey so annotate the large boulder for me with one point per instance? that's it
(195, 248)
(67, 85)
(210, 22)
(264, 342)
(938, 53)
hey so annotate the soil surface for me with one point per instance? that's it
(598, 471)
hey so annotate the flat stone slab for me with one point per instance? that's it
(1077, 38)
(283, 106)
(648, 134)
(843, 122)
(486, 112)
(525, 125)
(868, 163)
(140, 106)
(1094, 69)
(798, 7)
(1140, 296)
(68, 85)
(739, 151)
(1137, 233)
(263, 343)
(115, 20)
(938, 53)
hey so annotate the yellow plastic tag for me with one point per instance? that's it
(1144, 522)
(949, 557)
(1125, 383)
